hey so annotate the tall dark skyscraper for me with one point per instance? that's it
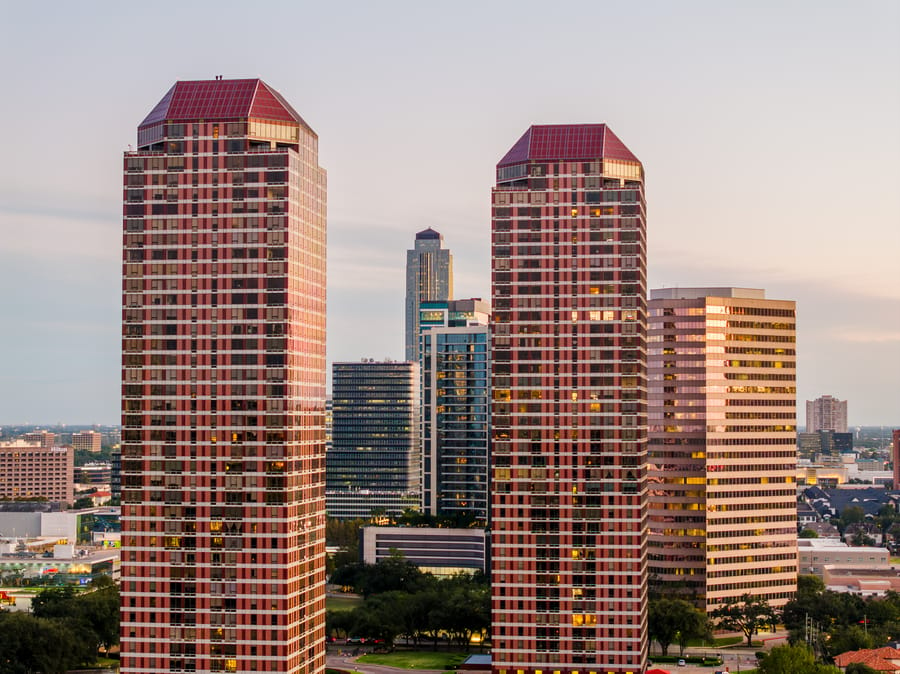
(374, 461)
(429, 278)
(223, 386)
(455, 407)
(569, 454)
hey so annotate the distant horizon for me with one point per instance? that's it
(62, 424)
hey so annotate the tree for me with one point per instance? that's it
(674, 620)
(393, 573)
(93, 617)
(29, 644)
(376, 619)
(850, 515)
(696, 626)
(852, 638)
(747, 615)
(859, 668)
(82, 503)
(793, 660)
(464, 609)
(54, 602)
(886, 518)
(99, 610)
(809, 585)
(338, 623)
(417, 614)
(808, 533)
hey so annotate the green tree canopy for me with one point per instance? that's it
(747, 615)
(29, 644)
(793, 660)
(809, 585)
(675, 620)
(393, 573)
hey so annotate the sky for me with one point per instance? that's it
(769, 133)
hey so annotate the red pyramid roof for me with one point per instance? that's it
(567, 142)
(221, 100)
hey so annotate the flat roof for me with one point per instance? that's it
(697, 293)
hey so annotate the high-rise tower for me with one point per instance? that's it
(455, 415)
(429, 277)
(223, 386)
(374, 461)
(826, 413)
(723, 464)
(569, 493)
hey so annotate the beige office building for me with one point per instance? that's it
(723, 511)
(90, 441)
(30, 471)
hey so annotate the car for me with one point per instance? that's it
(356, 640)
(681, 663)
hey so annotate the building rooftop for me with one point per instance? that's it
(428, 234)
(830, 545)
(220, 100)
(697, 293)
(567, 142)
(870, 499)
(876, 658)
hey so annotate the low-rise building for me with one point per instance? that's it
(885, 659)
(816, 554)
(43, 438)
(864, 582)
(94, 473)
(31, 470)
(440, 551)
(71, 565)
(90, 441)
(72, 526)
(824, 531)
(806, 514)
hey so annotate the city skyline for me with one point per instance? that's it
(753, 122)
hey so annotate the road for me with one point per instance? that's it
(734, 662)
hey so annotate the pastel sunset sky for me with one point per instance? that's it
(769, 133)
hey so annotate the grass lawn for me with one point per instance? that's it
(23, 590)
(721, 641)
(415, 659)
(342, 602)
